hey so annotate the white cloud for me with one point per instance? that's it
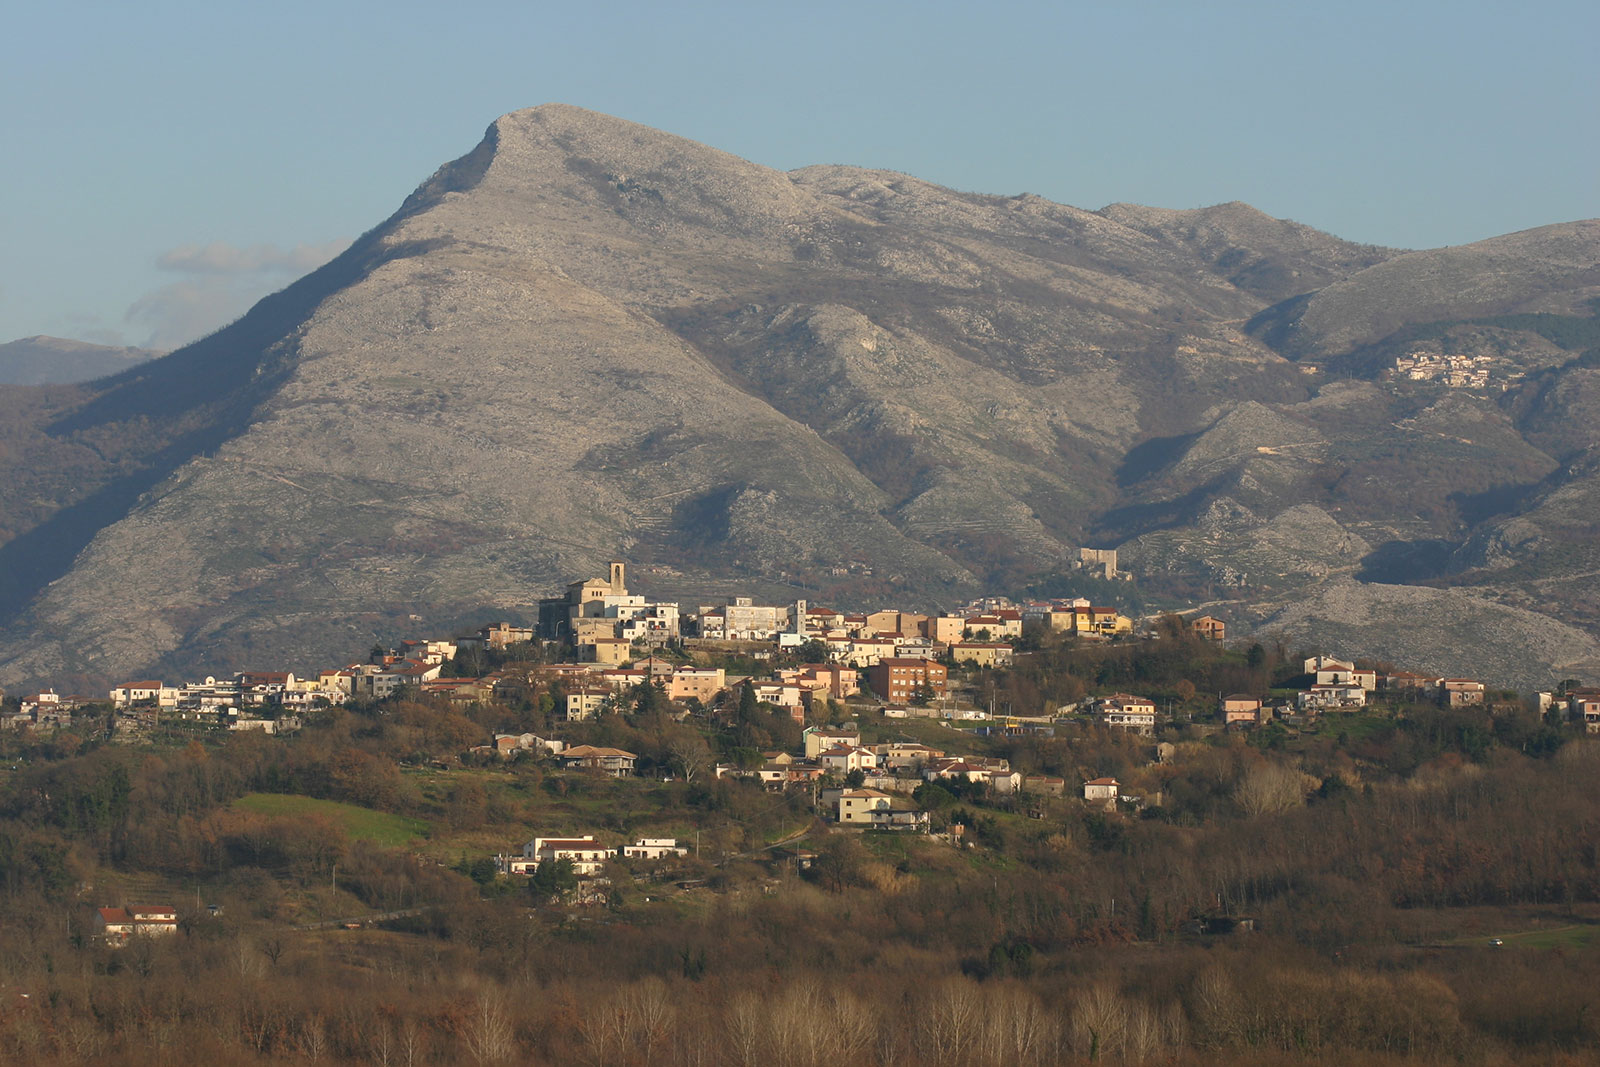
(220, 283)
(185, 311)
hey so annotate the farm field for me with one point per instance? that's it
(358, 823)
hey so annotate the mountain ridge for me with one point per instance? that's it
(585, 338)
(43, 360)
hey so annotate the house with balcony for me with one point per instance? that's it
(611, 761)
(877, 810)
(1128, 712)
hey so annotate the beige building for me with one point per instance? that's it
(586, 855)
(701, 683)
(1106, 622)
(881, 622)
(745, 620)
(117, 925)
(868, 651)
(585, 630)
(1462, 692)
(503, 634)
(608, 650)
(144, 692)
(982, 653)
(944, 629)
(613, 761)
(1240, 708)
(818, 739)
(1053, 621)
(654, 848)
(857, 805)
(585, 702)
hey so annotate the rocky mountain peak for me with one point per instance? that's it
(586, 339)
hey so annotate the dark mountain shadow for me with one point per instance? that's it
(1277, 327)
(1407, 562)
(34, 559)
(1495, 501)
(1136, 520)
(703, 519)
(1147, 458)
(183, 405)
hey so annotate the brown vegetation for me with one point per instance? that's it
(1373, 859)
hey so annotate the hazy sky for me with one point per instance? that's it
(168, 163)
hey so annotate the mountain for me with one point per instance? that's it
(56, 361)
(589, 339)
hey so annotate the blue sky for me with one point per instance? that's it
(170, 162)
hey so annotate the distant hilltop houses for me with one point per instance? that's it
(605, 624)
(611, 639)
(612, 635)
(601, 642)
(1458, 372)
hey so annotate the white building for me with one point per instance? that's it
(745, 620)
(1101, 789)
(653, 848)
(586, 855)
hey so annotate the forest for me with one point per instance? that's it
(1407, 884)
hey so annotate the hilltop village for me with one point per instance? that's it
(599, 650)
(600, 643)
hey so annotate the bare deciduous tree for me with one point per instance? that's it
(382, 1046)
(1017, 1029)
(1267, 788)
(949, 1022)
(413, 1043)
(313, 1038)
(690, 753)
(745, 1023)
(488, 1032)
(1100, 1023)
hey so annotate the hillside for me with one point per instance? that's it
(588, 339)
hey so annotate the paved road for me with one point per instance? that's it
(789, 839)
(363, 920)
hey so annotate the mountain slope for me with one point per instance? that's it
(587, 339)
(1552, 269)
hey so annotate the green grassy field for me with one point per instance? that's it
(1559, 937)
(1570, 935)
(1353, 726)
(931, 732)
(360, 824)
